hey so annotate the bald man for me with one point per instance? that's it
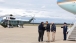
(53, 30)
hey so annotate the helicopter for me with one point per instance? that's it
(13, 22)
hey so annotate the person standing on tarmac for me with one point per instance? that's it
(48, 31)
(41, 31)
(53, 30)
(65, 28)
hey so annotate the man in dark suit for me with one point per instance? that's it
(41, 31)
(65, 27)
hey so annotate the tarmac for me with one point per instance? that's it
(28, 34)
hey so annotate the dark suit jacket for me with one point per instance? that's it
(53, 28)
(41, 27)
(65, 28)
(48, 27)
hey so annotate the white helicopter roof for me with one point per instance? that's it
(8, 18)
(4, 18)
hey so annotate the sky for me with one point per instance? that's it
(39, 8)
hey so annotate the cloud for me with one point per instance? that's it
(28, 4)
(5, 11)
(44, 14)
(1, 0)
(39, 8)
(43, 6)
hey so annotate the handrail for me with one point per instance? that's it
(71, 30)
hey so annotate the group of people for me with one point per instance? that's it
(42, 28)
